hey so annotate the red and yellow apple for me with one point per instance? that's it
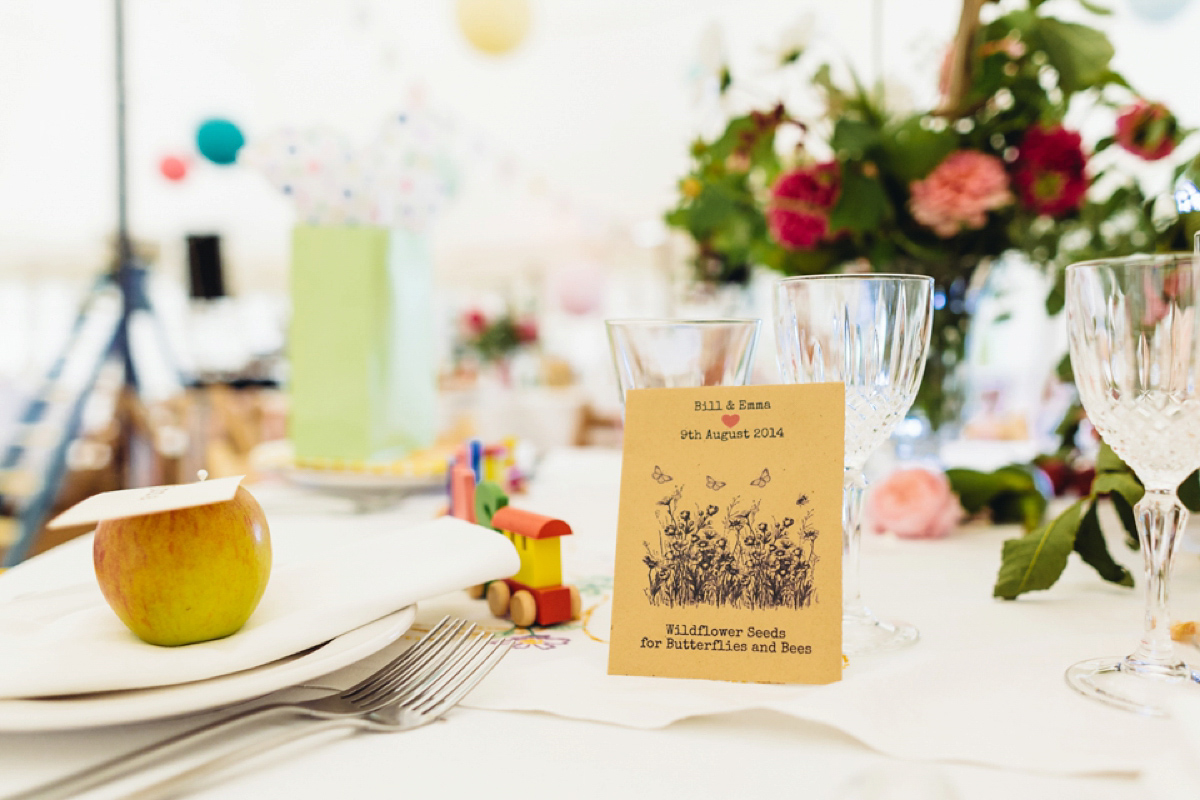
(188, 575)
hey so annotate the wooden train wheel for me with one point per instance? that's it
(498, 595)
(524, 609)
(576, 603)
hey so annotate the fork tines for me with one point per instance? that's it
(451, 649)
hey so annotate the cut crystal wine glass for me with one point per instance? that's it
(870, 332)
(1135, 350)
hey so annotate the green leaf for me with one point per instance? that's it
(853, 138)
(1056, 299)
(974, 488)
(1090, 545)
(711, 209)
(1079, 53)
(911, 151)
(1064, 371)
(1122, 483)
(806, 262)
(1024, 508)
(862, 204)
(1036, 560)
(1189, 492)
(1108, 461)
(731, 139)
(1128, 520)
(1095, 8)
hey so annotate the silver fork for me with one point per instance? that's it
(409, 707)
(447, 643)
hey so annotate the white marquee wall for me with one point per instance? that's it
(596, 104)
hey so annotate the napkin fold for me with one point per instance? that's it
(59, 637)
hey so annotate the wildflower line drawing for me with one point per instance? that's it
(730, 557)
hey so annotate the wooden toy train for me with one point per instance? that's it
(536, 595)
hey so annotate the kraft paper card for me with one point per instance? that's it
(729, 541)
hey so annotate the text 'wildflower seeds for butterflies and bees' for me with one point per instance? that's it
(729, 539)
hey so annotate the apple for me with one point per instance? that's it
(187, 575)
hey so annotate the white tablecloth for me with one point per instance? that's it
(977, 709)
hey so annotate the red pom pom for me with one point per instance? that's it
(173, 168)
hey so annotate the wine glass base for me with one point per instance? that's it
(1119, 682)
(863, 634)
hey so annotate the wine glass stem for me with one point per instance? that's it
(853, 486)
(1160, 521)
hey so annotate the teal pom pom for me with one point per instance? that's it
(219, 140)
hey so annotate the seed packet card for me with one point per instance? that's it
(729, 540)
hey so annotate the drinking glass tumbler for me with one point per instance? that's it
(676, 353)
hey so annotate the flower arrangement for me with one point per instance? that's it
(995, 167)
(495, 339)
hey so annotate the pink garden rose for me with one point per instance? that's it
(960, 192)
(915, 503)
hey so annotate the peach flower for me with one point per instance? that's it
(915, 503)
(959, 192)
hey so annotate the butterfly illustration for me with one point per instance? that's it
(762, 480)
(661, 476)
(715, 484)
(803, 500)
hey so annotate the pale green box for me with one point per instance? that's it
(362, 380)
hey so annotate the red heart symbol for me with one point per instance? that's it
(730, 420)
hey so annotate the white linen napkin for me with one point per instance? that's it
(58, 636)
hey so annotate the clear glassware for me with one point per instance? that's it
(1135, 350)
(870, 332)
(678, 353)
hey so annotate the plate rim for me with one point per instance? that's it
(104, 709)
(328, 480)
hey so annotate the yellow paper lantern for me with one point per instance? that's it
(494, 26)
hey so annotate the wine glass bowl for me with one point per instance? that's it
(1135, 352)
(679, 353)
(870, 332)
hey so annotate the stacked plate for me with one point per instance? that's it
(66, 661)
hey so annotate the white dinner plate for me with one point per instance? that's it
(353, 482)
(137, 705)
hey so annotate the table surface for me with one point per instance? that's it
(500, 754)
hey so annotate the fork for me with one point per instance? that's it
(447, 643)
(409, 707)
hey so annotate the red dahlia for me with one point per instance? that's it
(1147, 130)
(1050, 171)
(801, 200)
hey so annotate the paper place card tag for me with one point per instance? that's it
(147, 500)
(729, 539)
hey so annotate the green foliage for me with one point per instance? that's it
(1025, 68)
(1090, 544)
(1010, 494)
(1035, 561)
(495, 339)
(1079, 53)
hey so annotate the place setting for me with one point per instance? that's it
(103, 631)
(377, 369)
